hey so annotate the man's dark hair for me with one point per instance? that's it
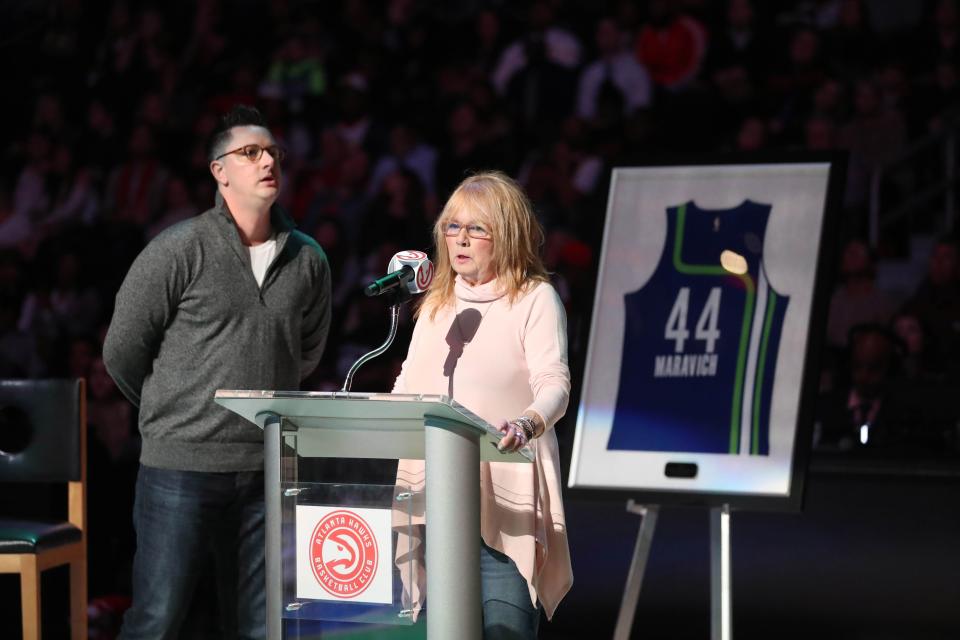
(240, 115)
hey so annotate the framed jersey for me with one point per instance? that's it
(711, 296)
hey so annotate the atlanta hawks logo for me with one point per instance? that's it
(410, 254)
(425, 275)
(343, 554)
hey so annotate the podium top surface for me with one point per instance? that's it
(389, 425)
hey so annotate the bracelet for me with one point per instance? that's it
(528, 426)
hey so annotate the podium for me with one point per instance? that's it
(301, 425)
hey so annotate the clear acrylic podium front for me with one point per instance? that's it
(331, 545)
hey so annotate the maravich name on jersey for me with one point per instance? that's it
(699, 365)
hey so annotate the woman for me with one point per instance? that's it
(491, 334)
(920, 360)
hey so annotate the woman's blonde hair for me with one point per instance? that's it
(496, 202)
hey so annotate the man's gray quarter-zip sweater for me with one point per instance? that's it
(191, 319)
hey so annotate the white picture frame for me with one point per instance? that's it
(645, 421)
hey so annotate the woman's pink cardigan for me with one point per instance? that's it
(515, 360)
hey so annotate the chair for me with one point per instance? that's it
(43, 440)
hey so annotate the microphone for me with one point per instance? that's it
(410, 269)
(409, 272)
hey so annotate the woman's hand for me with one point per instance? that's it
(513, 438)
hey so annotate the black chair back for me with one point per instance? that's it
(40, 430)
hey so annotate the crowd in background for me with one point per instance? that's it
(385, 105)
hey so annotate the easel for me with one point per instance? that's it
(720, 590)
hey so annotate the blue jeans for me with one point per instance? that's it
(182, 518)
(508, 613)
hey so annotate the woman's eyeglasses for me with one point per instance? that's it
(473, 230)
(252, 152)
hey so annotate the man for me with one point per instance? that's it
(231, 299)
(937, 302)
(857, 300)
(872, 412)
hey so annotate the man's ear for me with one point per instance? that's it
(219, 174)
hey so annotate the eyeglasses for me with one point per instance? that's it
(252, 152)
(473, 230)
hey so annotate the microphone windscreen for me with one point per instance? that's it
(421, 265)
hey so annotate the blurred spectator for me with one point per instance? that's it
(154, 112)
(78, 355)
(135, 188)
(826, 109)
(337, 188)
(65, 305)
(397, 212)
(894, 87)
(849, 43)
(821, 14)
(938, 102)
(110, 416)
(536, 74)
(934, 58)
(297, 73)
(112, 452)
(12, 283)
(406, 53)
(48, 116)
(128, 47)
(356, 124)
(940, 40)
(614, 80)
(14, 229)
(936, 302)
(178, 206)
(30, 200)
(561, 175)
(344, 267)
(487, 42)
(545, 41)
(74, 198)
(19, 355)
(920, 360)
(242, 89)
(406, 151)
(207, 43)
(869, 412)
(856, 300)
(671, 45)
(739, 55)
(874, 136)
(819, 134)
(752, 135)
(830, 100)
(61, 41)
(466, 147)
(570, 260)
(796, 78)
(99, 145)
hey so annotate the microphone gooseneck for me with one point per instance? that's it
(394, 322)
(410, 272)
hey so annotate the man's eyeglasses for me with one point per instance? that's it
(473, 230)
(252, 152)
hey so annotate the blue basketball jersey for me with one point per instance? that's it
(701, 339)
